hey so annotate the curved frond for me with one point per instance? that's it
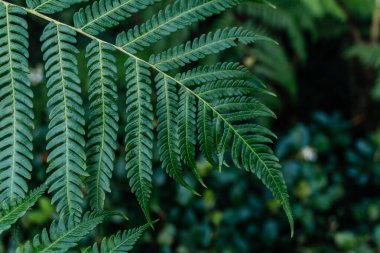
(139, 132)
(206, 44)
(233, 131)
(121, 242)
(65, 137)
(64, 234)
(103, 121)
(10, 213)
(51, 6)
(16, 118)
(211, 73)
(104, 14)
(180, 14)
(168, 139)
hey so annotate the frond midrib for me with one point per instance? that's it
(13, 167)
(99, 202)
(143, 197)
(65, 119)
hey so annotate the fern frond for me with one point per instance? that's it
(139, 132)
(104, 14)
(65, 137)
(206, 44)
(103, 118)
(233, 131)
(51, 6)
(10, 213)
(64, 234)
(205, 134)
(187, 130)
(16, 118)
(168, 139)
(211, 73)
(121, 242)
(180, 14)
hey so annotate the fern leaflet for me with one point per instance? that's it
(103, 118)
(10, 213)
(180, 14)
(204, 45)
(16, 105)
(64, 234)
(51, 6)
(104, 14)
(65, 137)
(139, 132)
(122, 242)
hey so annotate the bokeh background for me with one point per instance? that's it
(326, 72)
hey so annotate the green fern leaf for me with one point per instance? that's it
(104, 14)
(180, 14)
(206, 44)
(139, 132)
(103, 118)
(10, 213)
(51, 6)
(230, 88)
(121, 242)
(65, 137)
(16, 105)
(211, 73)
(248, 146)
(205, 135)
(64, 234)
(168, 139)
(187, 131)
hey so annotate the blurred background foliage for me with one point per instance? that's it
(325, 68)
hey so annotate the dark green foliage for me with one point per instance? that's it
(215, 106)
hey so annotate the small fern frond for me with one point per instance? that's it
(16, 118)
(64, 234)
(139, 132)
(205, 134)
(206, 44)
(229, 88)
(211, 73)
(103, 121)
(187, 130)
(180, 14)
(51, 6)
(10, 213)
(233, 131)
(65, 137)
(104, 14)
(168, 139)
(121, 242)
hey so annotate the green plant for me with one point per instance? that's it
(218, 111)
